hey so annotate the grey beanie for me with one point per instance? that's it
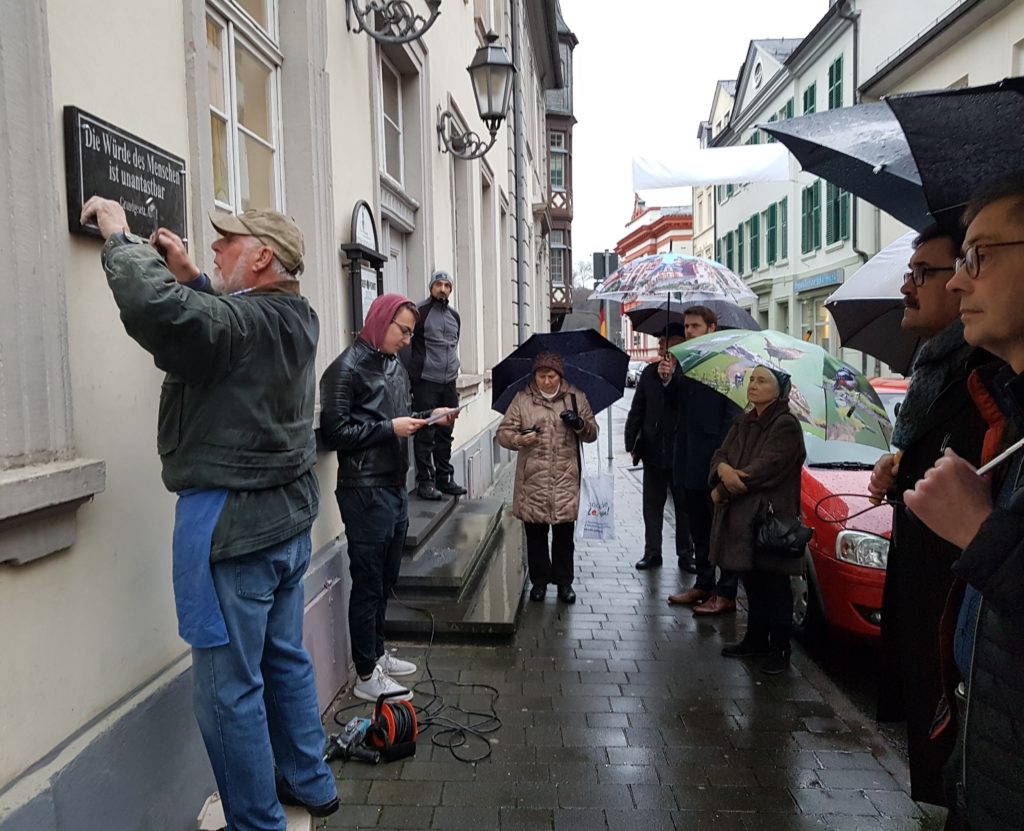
(783, 380)
(441, 277)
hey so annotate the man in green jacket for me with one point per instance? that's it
(236, 443)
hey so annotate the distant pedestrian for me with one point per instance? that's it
(703, 420)
(367, 417)
(983, 627)
(759, 465)
(938, 413)
(650, 435)
(545, 424)
(432, 360)
(236, 443)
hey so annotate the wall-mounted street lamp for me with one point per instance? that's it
(399, 24)
(491, 72)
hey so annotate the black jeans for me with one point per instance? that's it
(769, 609)
(376, 521)
(700, 509)
(557, 567)
(657, 486)
(432, 446)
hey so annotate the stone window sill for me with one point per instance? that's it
(467, 383)
(38, 505)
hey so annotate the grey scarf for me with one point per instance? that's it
(931, 369)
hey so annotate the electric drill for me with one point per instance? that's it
(350, 743)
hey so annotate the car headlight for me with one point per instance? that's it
(860, 549)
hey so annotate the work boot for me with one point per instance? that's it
(425, 490)
(566, 594)
(538, 591)
(649, 561)
(451, 488)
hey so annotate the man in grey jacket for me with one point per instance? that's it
(433, 365)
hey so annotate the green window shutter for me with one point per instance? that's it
(770, 232)
(730, 262)
(718, 250)
(755, 243)
(728, 191)
(739, 249)
(790, 108)
(783, 229)
(839, 81)
(844, 214)
(810, 99)
(816, 213)
(831, 214)
(806, 243)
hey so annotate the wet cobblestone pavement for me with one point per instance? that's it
(619, 713)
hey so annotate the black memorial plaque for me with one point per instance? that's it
(104, 160)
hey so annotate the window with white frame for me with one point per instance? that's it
(244, 65)
(558, 247)
(391, 121)
(557, 160)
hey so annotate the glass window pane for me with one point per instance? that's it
(253, 79)
(392, 151)
(389, 82)
(257, 10)
(256, 164)
(221, 178)
(215, 62)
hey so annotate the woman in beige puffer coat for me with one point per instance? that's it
(544, 427)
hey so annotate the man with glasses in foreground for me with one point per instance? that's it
(937, 413)
(984, 515)
(367, 418)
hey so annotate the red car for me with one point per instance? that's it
(845, 562)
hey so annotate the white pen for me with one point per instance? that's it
(1002, 457)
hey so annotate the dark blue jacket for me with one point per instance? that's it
(703, 420)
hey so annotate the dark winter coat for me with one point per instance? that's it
(917, 582)
(770, 450)
(360, 393)
(704, 417)
(651, 424)
(992, 773)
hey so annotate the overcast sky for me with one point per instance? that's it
(645, 74)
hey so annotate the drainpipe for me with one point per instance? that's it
(519, 142)
(854, 18)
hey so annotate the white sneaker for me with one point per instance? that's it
(395, 666)
(379, 684)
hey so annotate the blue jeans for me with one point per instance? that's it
(376, 521)
(255, 699)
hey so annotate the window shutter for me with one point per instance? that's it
(739, 249)
(729, 261)
(755, 242)
(783, 229)
(790, 109)
(770, 230)
(831, 213)
(806, 243)
(844, 214)
(816, 213)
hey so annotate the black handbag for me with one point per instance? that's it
(778, 536)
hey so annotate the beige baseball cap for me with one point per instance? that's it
(271, 228)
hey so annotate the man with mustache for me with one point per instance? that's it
(937, 413)
(985, 517)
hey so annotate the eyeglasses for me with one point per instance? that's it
(919, 273)
(971, 262)
(405, 330)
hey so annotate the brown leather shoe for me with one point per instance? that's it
(716, 605)
(689, 597)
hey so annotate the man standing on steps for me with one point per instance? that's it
(650, 435)
(433, 364)
(704, 419)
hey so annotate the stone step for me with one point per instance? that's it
(424, 516)
(447, 561)
(487, 606)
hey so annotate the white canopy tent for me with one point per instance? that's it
(713, 166)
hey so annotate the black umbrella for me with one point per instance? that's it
(961, 139)
(652, 317)
(592, 363)
(861, 149)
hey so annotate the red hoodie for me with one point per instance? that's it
(378, 319)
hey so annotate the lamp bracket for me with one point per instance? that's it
(400, 24)
(463, 144)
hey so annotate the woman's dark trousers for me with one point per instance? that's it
(769, 610)
(556, 567)
(376, 521)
